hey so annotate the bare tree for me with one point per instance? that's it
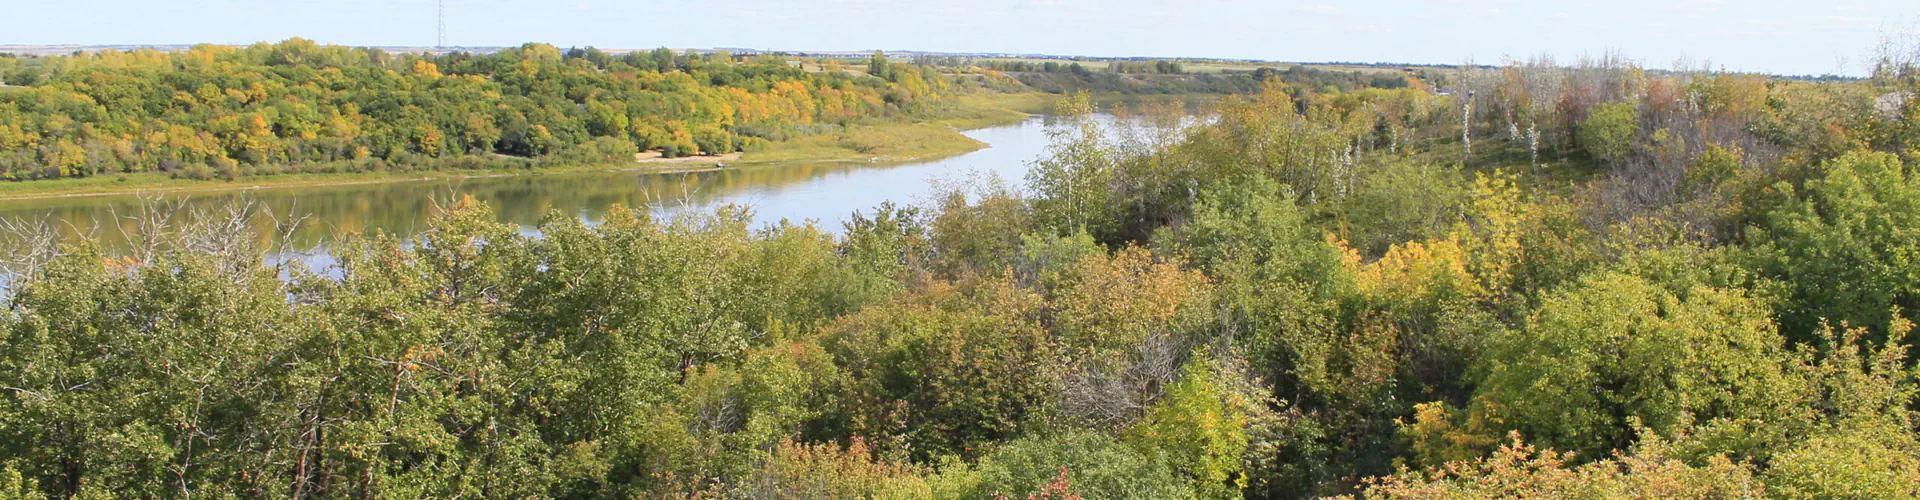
(1117, 388)
(238, 234)
(152, 225)
(26, 245)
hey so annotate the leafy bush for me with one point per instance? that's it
(1096, 465)
(1610, 130)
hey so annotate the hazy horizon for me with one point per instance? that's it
(1780, 37)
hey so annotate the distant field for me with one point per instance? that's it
(1204, 67)
(1190, 67)
(846, 67)
(1212, 67)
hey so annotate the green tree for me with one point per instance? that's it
(1616, 351)
(1866, 459)
(945, 367)
(1522, 471)
(1097, 465)
(1847, 243)
(1610, 131)
(1280, 279)
(1074, 183)
(978, 228)
(1200, 429)
(878, 66)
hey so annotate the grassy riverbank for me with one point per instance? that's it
(890, 143)
(936, 134)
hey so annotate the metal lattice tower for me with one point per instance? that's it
(442, 43)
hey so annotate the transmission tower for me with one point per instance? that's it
(443, 25)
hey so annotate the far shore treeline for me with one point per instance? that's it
(299, 107)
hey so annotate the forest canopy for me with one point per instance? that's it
(298, 106)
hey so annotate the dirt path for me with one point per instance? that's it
(654, 158)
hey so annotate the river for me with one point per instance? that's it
(827, 193)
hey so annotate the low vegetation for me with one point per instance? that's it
(1588, 281)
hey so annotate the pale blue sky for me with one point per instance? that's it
(1779, 36)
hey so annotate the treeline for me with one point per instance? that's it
(1159, 67)
(1027, 66)
(1385, 293)
(297, 106)
(1104, 82)
(1301, 80)
(1333, 80)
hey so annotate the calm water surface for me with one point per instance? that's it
(824, 192)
